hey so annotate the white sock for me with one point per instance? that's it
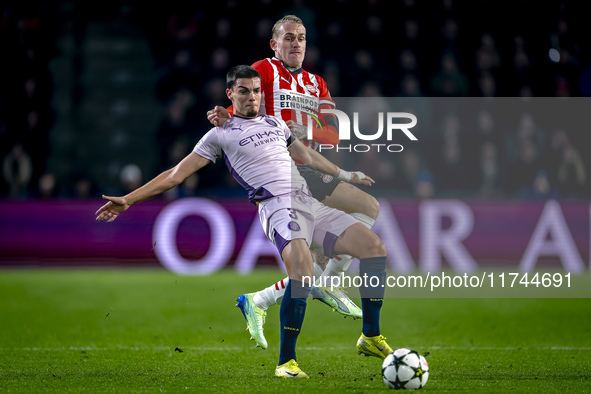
(270, 296)
(317, 274)
(340, 263)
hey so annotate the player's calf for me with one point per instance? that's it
(293, 306)
(371, 251)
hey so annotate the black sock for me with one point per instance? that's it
(291, 316)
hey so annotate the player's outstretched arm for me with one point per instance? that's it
(163, 182)
(312, 158)
(218, 116)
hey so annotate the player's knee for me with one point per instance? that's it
(372, 247)
(370, 207)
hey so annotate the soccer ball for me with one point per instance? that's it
(405, 369)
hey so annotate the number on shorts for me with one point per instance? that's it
(293, 214)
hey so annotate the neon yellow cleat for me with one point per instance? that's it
(255, 318)
(338, 300)
(373, 346)
(290, 370)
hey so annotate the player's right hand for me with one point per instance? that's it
(218, 116)
(360, 178)
(115, 207)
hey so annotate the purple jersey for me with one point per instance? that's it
(255, 151)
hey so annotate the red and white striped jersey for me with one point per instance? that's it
(295, 96)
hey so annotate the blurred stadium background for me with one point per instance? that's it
(98, 98)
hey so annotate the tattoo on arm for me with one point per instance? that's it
(300, 131)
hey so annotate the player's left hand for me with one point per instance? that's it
(360, 178)
(115, 207)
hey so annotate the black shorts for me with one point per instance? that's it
(321, 185)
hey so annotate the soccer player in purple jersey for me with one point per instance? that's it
(283, 79)
(257, 152)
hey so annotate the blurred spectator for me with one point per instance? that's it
(362, 70)
(83, 189)
(449, 37)
(177, 123)
(487, 86)
(521, 174)
(374, 101)
(223, 29)
(424, 187)
(312, 61)
(410, 86)
(182, 26)
(182, 74)
(374, 25)
(449, 32)
(450, 171)
(408, 61)
(529, 132)
(215, 92)
(525, 91)
(333, 43)
(263, 33)
(489, 171)
(562, 87)
(331, 77)
(186, 189)
(17, 169)
(521, 61)
(130, 178)
(540, 188)
(189, 186)
(487, 56)
(410, 166)
(410, 33)
(569, 172)
(485, 123)
(220, 61)
(449, 81)
(486, 129)
(177, 151)
(47, 187)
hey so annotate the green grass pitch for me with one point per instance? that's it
(116, 330)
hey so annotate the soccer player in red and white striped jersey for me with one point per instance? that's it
(296, 96)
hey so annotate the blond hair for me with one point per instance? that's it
(285, 19)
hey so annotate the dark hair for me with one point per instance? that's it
(241, 71)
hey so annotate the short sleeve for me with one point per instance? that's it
(209, 146)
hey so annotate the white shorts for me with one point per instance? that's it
(299, 216)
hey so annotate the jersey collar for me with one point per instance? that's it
(296, 72)
(242, 117)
